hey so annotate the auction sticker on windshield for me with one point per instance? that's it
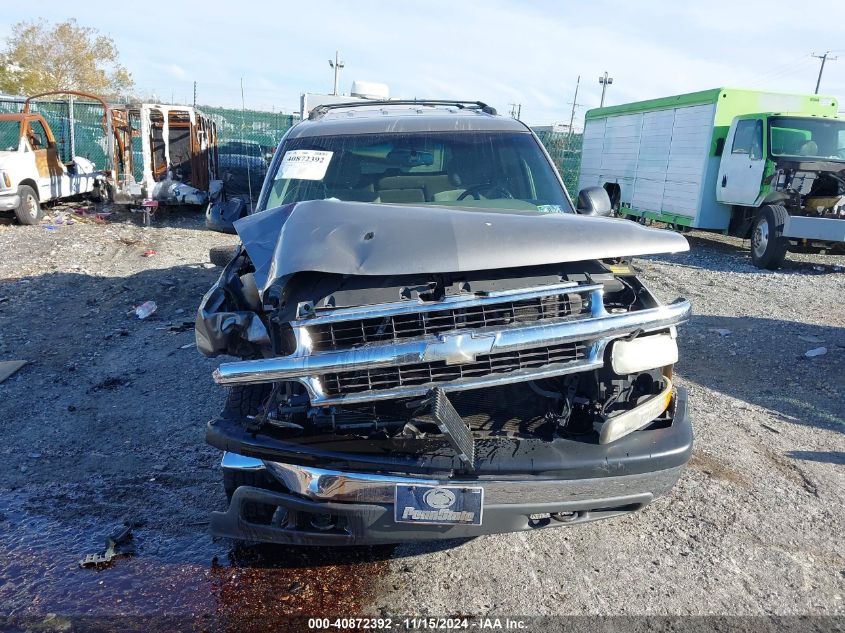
(304, 164)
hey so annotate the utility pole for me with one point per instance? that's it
(195, 94)
(605, 81)
(337, 65)
(574, 105)
(824, 58)
(516, 110)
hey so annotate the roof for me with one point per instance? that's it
(701, 97)
(375, 118)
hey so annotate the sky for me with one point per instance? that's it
(496, 51)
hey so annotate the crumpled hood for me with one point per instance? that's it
(359, 238)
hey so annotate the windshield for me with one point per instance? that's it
(813, 138)
(472, 169)
(10, 135)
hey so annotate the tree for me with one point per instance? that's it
(40, 57)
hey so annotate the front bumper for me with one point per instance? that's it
(9, 201)
(617, 479)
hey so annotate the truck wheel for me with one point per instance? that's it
(768, 246)
(29, 211)
(244, 400)
(234, 479)
(221, 255)
(104, 194)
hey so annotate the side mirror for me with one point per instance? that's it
(594, 201)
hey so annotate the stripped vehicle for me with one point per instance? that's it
(31, 169)
(164, 153)
(434, 343)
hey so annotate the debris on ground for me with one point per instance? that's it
(720, 331)
(185, 326)
(810, 339)
(148, 253)
(118, 543)
(9, 367)
(145, 309)
(817, 351)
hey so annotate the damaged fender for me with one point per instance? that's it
(222, 325)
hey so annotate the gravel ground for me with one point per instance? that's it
(106, 424)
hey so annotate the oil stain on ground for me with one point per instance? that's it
(182, 575)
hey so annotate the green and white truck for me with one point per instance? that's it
(769, 167)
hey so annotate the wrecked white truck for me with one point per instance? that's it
(433, 342)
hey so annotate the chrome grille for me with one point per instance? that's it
(342, 383)
(346, 334)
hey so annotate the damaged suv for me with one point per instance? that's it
(433, 342)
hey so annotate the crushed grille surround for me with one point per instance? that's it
(493, 347)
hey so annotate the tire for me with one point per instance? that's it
(768, 246)
(243, 400)
(247, 400)
(104, 194)
(29, 211)
(234, 479)
(254, 512)
(221, 255)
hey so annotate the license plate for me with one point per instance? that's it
(438, 505)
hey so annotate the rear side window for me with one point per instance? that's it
(748, 139)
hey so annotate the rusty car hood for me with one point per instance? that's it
(359, 238)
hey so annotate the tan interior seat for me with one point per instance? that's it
(427, 183)
(401, 195)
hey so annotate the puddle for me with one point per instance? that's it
(176, 573)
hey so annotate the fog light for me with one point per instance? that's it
(280, 517)
(322, 522)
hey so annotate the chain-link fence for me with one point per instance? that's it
(246, 139)
(84, 138)
(564, 147)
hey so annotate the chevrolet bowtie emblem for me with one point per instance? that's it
(458, 348)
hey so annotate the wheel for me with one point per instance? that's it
(253, 512)
(243, 400)
(29, 211)
(234, 479)
(221, 255)
(768, 246)
(103, 194)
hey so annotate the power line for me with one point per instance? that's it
(824, 58)
(784, 69)
(575, 104)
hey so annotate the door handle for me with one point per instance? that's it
(725, 181)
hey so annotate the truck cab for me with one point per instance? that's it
(759, 165)
(31, 171)
(784, 177)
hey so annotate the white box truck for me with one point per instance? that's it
(769, 167)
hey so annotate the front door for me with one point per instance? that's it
(47, 162)
(742, 165)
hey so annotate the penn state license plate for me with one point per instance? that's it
(438, 505)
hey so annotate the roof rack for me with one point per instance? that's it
(321, 110)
